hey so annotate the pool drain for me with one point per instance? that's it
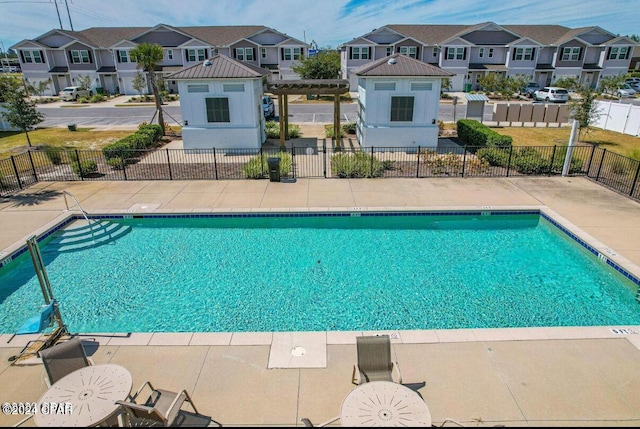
(298, 351)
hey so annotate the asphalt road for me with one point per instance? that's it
(98, 116)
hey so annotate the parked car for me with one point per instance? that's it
(632, 80)
(72, 93)
(635, 86)
(625, 91)
(528, 90)
(268, 107)
(552, 93)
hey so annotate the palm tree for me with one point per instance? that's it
(148, 56)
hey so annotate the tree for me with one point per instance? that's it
(84, 82)
(139, 83)
(324, 65)
(148, 56)
(585, 110)
(568, 83)
(40, 88)
(21, 111)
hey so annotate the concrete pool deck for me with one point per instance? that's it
(516, 377)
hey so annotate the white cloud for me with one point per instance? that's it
(325, 21)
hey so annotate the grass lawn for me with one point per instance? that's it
(13, 143)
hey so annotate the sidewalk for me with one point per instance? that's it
(118, 101)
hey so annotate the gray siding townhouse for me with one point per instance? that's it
(545, 53)
(103, 53)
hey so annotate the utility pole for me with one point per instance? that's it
(68, 14)
(58, 12)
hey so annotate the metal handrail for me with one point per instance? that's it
(83, 211)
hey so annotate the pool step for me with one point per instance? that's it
(87, 236)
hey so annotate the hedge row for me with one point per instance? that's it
(528, 160)
(476, 135)
(147, 136)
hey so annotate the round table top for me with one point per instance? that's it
(383, 403)
(91, 392)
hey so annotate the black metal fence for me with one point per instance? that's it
(615, 171)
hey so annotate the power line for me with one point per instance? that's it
(70, 23)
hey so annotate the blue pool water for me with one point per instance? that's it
(324, 273)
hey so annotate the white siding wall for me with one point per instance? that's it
(246, 126)
(378, 130)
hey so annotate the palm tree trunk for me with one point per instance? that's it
(156, 93)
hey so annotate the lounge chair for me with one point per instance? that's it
(63, 359)
(162, 406)
(374, 360)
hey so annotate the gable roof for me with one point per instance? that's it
(220, 67)
(402, 66)
(429, 34)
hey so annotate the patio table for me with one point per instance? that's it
(86, 397)
(383, 403)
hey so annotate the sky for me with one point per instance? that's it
(328, 23)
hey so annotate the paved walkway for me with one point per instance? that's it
(516, 377)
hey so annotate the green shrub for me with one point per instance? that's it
(476, 135)
(120, 149)
(258, 166)
(156, 128)
(272, 129)
(494, 156)
(116, 163)
(54, 154)
(328, 131)
(529, 161)
(294, 131)
(97, 98)
(84, 168)
(357, 164)
(349, 127)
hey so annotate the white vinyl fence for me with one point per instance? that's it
(620, 117)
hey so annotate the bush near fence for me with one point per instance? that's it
(475, 134)
(147, 136)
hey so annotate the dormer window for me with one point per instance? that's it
(523, 54)
(80, 57)
(123, 57)
(571, 54)
(410, 51)
(196, 55)
(618, 53)
(32, 57)
(456, 53)
(360, 53)
(244, 54)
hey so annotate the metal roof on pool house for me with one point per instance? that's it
(400, 65)
(220, 66)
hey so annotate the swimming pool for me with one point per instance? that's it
(322, 272)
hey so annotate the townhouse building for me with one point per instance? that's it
(545, 53)
(103, 53)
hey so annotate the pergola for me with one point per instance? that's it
(284, 88)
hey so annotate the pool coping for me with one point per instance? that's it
(604, 254)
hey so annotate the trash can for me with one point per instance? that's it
(72, 127)
(467, 87)
(99, 90)
(274, 169)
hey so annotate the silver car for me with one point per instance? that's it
(625, 91)
(552, 93)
